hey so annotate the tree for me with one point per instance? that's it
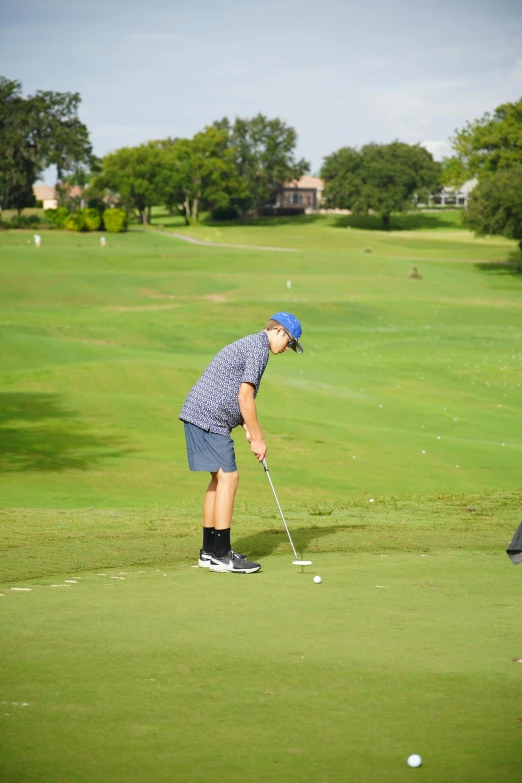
(132, 173)
(169, 180)
(198, 173)
(36, 132)
(495, 206)
(491, 143)
(454, 173)
(62, 138)
(73, 193)
(382, 178)
(264, 153)
(18, 160)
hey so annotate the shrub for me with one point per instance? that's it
(74, 222)
(115, 220)
(92, 219)
(224, 213)
(18, 221)
(24, 221)
(56, 217)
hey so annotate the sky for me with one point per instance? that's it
(342, 73)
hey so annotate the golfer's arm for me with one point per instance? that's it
(247, 405)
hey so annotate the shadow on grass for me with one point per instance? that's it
(265, 221)
(162, 218)
(513, 266)
(37, 433)
(405, 221)
(400, 221)
(267, 541)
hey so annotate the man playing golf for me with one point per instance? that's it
(224, 398)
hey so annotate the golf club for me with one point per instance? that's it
(296, 561)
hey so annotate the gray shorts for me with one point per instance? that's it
(209, 451)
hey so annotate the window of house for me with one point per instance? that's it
(295, 198)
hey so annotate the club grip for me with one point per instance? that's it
(263, 462)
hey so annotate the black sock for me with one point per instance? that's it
(208, 539)
(222, 545)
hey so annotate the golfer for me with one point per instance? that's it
(224, 398)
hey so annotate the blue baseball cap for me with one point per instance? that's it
(292, 326)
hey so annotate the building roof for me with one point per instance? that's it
(43, 192)
(310, 183)
(75, 191)
(465, 188)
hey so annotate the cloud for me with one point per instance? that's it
(515, 73)
(439, 149)
(342, 73)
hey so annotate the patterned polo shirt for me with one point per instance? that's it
(212, 403)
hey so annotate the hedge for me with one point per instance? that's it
(75, 222)
(24, 221)
(92, 219)
(115, 220)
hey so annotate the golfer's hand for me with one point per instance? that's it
(258, 447)
(248, 436)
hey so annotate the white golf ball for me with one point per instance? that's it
(371, 500)
(317, 580)
(414, 760)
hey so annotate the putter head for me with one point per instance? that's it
(301, 562)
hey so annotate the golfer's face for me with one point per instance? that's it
(281, 341)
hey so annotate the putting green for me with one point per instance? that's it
(408, 394)
(178, 674)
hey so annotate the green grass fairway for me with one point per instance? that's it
(402, 380)
(181, 675)
(135, 666)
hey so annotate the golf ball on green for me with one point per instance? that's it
(414, 760)
(317, 580)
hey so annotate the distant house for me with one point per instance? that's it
(449, 197)
(303, 195)
(47, 195)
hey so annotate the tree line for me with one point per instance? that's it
(236, 168)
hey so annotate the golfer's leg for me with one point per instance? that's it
(209, 536)
(208, 503)
(223, 507)
(224, 498)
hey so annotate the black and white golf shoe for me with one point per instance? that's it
(237, 564)
(204, 558)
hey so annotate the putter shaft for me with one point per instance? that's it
(280, 509)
